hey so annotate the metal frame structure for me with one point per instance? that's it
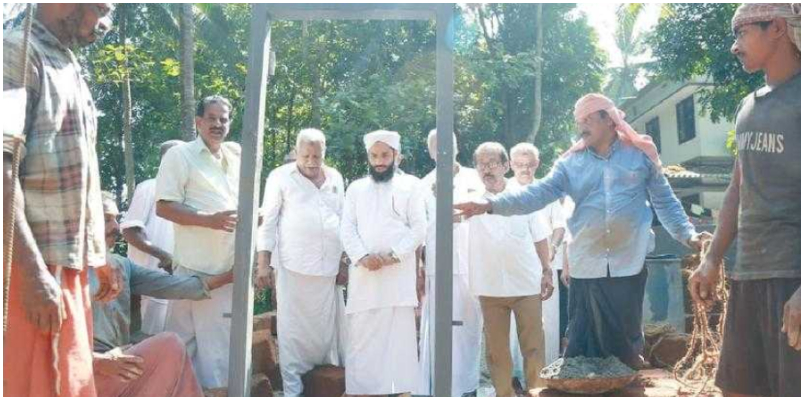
(251, 166)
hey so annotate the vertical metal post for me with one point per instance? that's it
(442, 375)
(248, 200)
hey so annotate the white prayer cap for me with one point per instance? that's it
(390, 138)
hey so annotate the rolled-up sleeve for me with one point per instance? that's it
(161, 285)
(533, 197)
(668, 208)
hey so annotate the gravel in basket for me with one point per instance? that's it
(586, 375)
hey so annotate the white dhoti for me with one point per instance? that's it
(466, 338)
(204, 326)
(381, 356)
(308, 318)
(154, 313)
(550, 326)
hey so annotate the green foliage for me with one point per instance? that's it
(731, 142)
(348, 78)
(694, 39)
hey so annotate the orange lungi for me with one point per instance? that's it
(27, 353)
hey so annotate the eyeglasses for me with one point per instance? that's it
(523, 166)
(488, 166)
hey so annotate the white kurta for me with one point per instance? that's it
(302, 220)
(381, 356)
(466, 335)
(142, 214)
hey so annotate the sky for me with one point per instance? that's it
(602, 17)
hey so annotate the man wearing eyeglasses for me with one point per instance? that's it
(524, 163)
(509, 269)
(51, 120)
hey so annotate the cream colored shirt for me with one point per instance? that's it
(190, 175)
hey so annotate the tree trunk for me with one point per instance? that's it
(310, 52)
(186, 22)
(128, 143)
(537, 80)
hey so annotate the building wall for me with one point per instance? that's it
(661, 100)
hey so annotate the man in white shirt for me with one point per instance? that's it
(384, 222)
(524, 163)
(197, 189)
(301, 216)
(150, 240)
(467, 331)
(509, 268)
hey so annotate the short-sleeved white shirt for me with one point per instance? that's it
(502, 254)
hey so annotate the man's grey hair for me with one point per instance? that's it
(433, 136)
(311, 135)
(493, 148)
(526, 148)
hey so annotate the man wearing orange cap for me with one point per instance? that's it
(761, 352)
(610, 174)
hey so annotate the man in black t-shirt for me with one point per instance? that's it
(761, 351)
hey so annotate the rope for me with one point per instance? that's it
(697, 369)
(8, 245)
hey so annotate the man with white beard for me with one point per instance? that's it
(383, 224)
(466, 333)
(302, 213)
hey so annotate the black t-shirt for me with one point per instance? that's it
(769, 144)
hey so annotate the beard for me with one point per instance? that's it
(384, 176)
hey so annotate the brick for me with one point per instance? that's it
(264, 354)
(669, 349)
(216, 392)
(324, 381)
(262, 322)
(261, 386)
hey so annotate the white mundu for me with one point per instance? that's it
(300, 229)
(381, 354)
(142, 214)
(467, 332)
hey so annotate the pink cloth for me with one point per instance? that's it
(750, 13)
(27, 354)
(168, 372)
(595, 102)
